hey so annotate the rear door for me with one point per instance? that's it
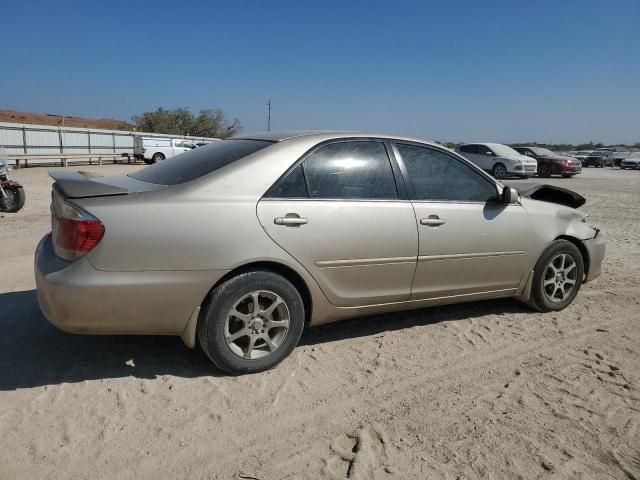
(469, 242)
(339, 213)
(470, 152)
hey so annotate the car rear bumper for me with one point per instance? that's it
(596, 249)
(78, 298)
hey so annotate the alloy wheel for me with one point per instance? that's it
(559, 278)
(257, 325)
(499, 171)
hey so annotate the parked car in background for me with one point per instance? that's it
(617, 157)
(500, 160)
(632, 161)
(550, 163)
(155, 149)
(280, 230)
(581, 155)
(597, 159)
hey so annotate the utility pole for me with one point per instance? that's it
(269, 116)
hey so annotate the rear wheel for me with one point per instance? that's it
(544, 171)
(499, 171)
(557, 276)
(13, 200)
(157, 157)
(251, 322)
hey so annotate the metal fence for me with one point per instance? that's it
(26, 139)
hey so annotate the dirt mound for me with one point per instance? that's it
(10, 116)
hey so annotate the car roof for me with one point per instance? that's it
(278, 136)
(323, 135)
(485, 144)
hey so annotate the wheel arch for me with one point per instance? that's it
(495, 165)
(276, 267)
(581, 247)
(525, 295)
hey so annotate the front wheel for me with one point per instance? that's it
(499, 171)
(544, 171)
(557, 276)
(13, 200)
(251, 322)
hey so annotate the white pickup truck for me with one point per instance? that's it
(155, 149)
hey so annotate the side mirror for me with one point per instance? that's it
(509, 195)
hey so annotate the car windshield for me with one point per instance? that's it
(542, 152)
(503, 150)
(198, 162)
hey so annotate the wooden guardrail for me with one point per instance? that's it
(64, 158)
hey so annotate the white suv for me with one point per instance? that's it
(500, 160)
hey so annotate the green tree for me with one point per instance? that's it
(209, 122)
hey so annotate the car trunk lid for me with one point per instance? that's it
(87, 184)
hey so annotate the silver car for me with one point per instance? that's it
(241, 244)
(632, 161)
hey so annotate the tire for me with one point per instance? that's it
(157, 157)
(554, 296)
(544, 171)
(147, 161)
(15, 199)
(237, 295)
(499, 171)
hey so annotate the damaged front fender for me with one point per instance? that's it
(548, 193)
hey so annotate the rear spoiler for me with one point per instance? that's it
(81, 184)
(548, 193)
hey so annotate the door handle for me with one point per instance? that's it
(432, 221)
(290, 220)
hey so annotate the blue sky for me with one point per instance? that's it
(450, 70)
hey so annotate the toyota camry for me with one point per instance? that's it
(239, 245)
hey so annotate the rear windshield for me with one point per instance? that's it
(198, 162)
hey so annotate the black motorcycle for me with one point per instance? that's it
(12, 196)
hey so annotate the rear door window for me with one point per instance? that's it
(350, 170)
(292, 186)
(198, 162)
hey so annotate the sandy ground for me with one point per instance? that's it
(482, 390)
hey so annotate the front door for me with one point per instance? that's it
(469, 242)
(339, 214)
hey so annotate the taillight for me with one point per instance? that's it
(76, 232)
